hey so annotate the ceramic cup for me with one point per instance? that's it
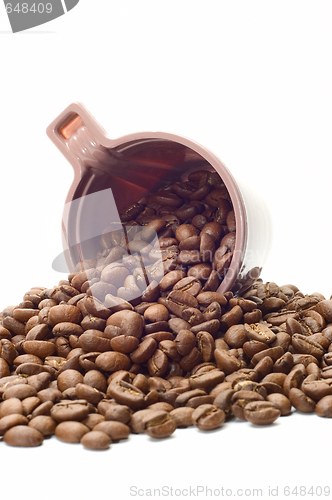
(111, 174)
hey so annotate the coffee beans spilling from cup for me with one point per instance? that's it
(138, 340)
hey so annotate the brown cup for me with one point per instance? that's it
(111, 174)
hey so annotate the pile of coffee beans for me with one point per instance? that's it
(139, 340)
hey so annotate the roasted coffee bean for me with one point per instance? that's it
(90, 394)
(208, 417)
(223, 399)
(124, 343)
(261, 412)
(301, 401)
(274, 353)
(69, 378)
(200, 271)
(96, 440)
(127, 394)
(26, 358)
(44, 424)
(294, 379)
(206, 380)
(156, 312)
(304, 345)
(231, 318)
(185, 231)
(206, 345)
(119, 413)
(260, 332)
(93, 419)
(63, 313)
(129, 322)
(23, 435)
(115, 430)
(324, 308)
(281, 402)
(12, 420)
(236, 336)
(189, 284)
(69, 410)
(70, 432)
(30, 404)
(158, 363)
(241, 398)
(159, 424)
(171, 278)
(10, 406)
(113, 361)
(324, 407)
(182, 416)
(316, 389)
(42, 409)
(136, 423)
(92, 340)
(14, 326)
(20, 391)
(40, 348)
(169, 348)
(226, 362)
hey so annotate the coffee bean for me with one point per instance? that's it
(226, 362)
(185, 231)
(324, 308)
(241, 398)
(119, 413)
(158, 363)
(304, 345)
(127, 394)
(92, 340)
(63, 313)
(96, 440)
(223, 399)
(113, 361)
(30, 404)
(156, 312)
(261, 412)
(23, 435)
(316, 390)
(260, 332)
(182, 416)
(90, 394)
(10, 406)
(281, 402)
(206, 345)
(40, 348)
(69, 410)
(158, 424)
(70, 432)
(129, 322)
(20, 391)
(324, 407)
(69, 378)
(44, 424)
(208, 417)
(206, 380)
(115, 430)
(12, 420)
(301, 401)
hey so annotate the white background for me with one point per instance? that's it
(250, 80)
